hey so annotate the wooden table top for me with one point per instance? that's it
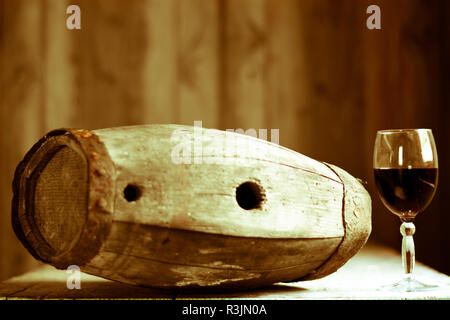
(360, 278)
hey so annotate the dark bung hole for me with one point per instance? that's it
(132, 192)
(249, 195)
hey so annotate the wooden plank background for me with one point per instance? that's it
(309, 68)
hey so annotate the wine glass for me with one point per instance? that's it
(405, 165)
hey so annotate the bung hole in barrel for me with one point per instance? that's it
(249, 195)
(132, 192)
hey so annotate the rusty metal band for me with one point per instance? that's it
(99, 192)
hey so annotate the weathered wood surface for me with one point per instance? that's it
(151, 220)
(307, 67)
(302, 198)
(372, 267)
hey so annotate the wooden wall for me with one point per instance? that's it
(309, 68)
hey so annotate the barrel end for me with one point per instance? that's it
(63, 197)
(357, 220)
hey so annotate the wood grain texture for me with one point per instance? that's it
(284, 87)
(177, 259)
(22, 104)
(142, 217)
(159, 70)
(292, 183)
(357, 219)
(198, 62)
(59, 82)
(307, 67)
(406, 86)
(440, 258)
(350, 282)
(109, 54)
(244, 61)
(332, 98)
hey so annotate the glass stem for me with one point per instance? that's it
(407, 230)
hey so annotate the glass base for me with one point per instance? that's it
(409, 285)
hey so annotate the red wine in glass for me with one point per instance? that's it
(406, 192)
(406, 175)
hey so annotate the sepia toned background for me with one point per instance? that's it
(309, 68)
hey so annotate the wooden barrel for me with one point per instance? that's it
(184, 207)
